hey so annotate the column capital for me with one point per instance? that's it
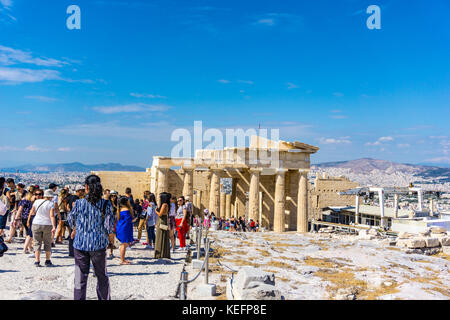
(255, 170)
(281, 171)
(304, 170)
(163, 168)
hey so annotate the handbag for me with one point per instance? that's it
(164, 227)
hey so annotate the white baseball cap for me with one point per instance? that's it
(79, 187)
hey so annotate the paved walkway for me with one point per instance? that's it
(146, 278)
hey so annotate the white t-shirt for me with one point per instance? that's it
(180, 213)
(43, 214)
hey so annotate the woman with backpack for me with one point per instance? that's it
(92, 220)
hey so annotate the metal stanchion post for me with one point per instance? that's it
(206, 258)
(184, 278)
(199, 237)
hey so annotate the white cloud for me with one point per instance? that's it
(380, 141)
(33, 148)
(403, 145)
(343, 140)
(42, 98)
(224, 81)
(19, 75)
(135, 107)
(338, 117)
(6, 3)
(266, 22)
(10, 56)
(291, 85)
(246, 81)
(439, 160)
(147, 95)
(64, 149)
(155, 131)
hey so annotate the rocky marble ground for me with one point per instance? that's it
(330, 266)
(146, 278)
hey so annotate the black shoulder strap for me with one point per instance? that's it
(40, 205)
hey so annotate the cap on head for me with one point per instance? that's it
(79, 187)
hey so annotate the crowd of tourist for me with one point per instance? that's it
(89, 219)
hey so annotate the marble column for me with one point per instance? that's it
(302, 202)
(280, 201)
(357, 209)
(227, 206)
(395, 205)
(163, 182)
(194, 202)
(431, 207)
(214, 193)
(188, 190)
(222, 205)
(199, 203)
(253, 195)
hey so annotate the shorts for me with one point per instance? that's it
(27, 230)
(172, 223)
(42, 234)
(3, 220)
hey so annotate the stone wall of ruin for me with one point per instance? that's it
(324, 194)
(119, 180)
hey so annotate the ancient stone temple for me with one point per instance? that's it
(269, 182)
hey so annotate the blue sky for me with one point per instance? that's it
(137, 70)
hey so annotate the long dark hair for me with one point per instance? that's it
(164, 197)
(152, 198)
(95, 189)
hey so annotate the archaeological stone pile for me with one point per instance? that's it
(432, 241)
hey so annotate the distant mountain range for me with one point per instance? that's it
(72, 167)
(367, 165)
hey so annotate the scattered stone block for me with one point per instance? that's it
(261, 291)
(403, 243)
(425, 233)
(416, 243)
(197, 263)
(431, 251)
(438, 230)
(405, 235)
(206, 290)
(253, 284)
(446, 250)
(444, 241)
(414, 251)
(373, 232)
(44, 295)
(431, 242)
